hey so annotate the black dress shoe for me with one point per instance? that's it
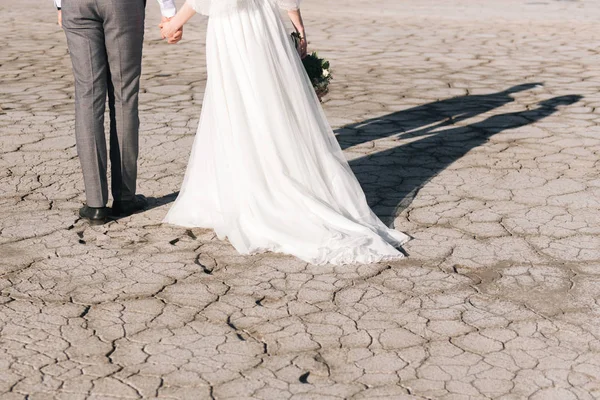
(124, 208)
(96, 215)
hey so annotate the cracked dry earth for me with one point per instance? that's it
(472, 126)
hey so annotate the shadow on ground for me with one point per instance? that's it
(392, 178)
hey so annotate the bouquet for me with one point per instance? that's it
(317, 70)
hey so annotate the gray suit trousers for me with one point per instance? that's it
(105, 40)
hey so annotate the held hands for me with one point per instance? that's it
(169, 31)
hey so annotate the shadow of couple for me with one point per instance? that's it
(392, 178)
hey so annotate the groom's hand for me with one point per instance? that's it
(175, 37)
(60, 18)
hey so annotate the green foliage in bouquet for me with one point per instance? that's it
(317, 70)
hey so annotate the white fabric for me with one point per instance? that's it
(289, 4)
(266, 171)
(219, 7)
(201, 6)
(167, 7)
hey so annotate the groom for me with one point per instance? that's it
(105, 40)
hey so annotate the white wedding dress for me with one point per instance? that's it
(266, 171)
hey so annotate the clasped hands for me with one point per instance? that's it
(169, 31)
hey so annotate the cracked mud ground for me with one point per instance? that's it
(473, 126)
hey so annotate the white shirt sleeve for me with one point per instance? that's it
(167, 8)
(57, 3)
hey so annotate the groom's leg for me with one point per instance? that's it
(124, 34)
(85, 38)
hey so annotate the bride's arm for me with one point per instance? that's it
(168, 28)
(296, 18)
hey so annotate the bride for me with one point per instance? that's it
(266, 171)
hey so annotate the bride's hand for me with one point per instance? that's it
(296, 18)
(303, 45)
(169, 31)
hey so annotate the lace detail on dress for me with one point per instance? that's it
(200, 6)
(288, 4)
(220, 7)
